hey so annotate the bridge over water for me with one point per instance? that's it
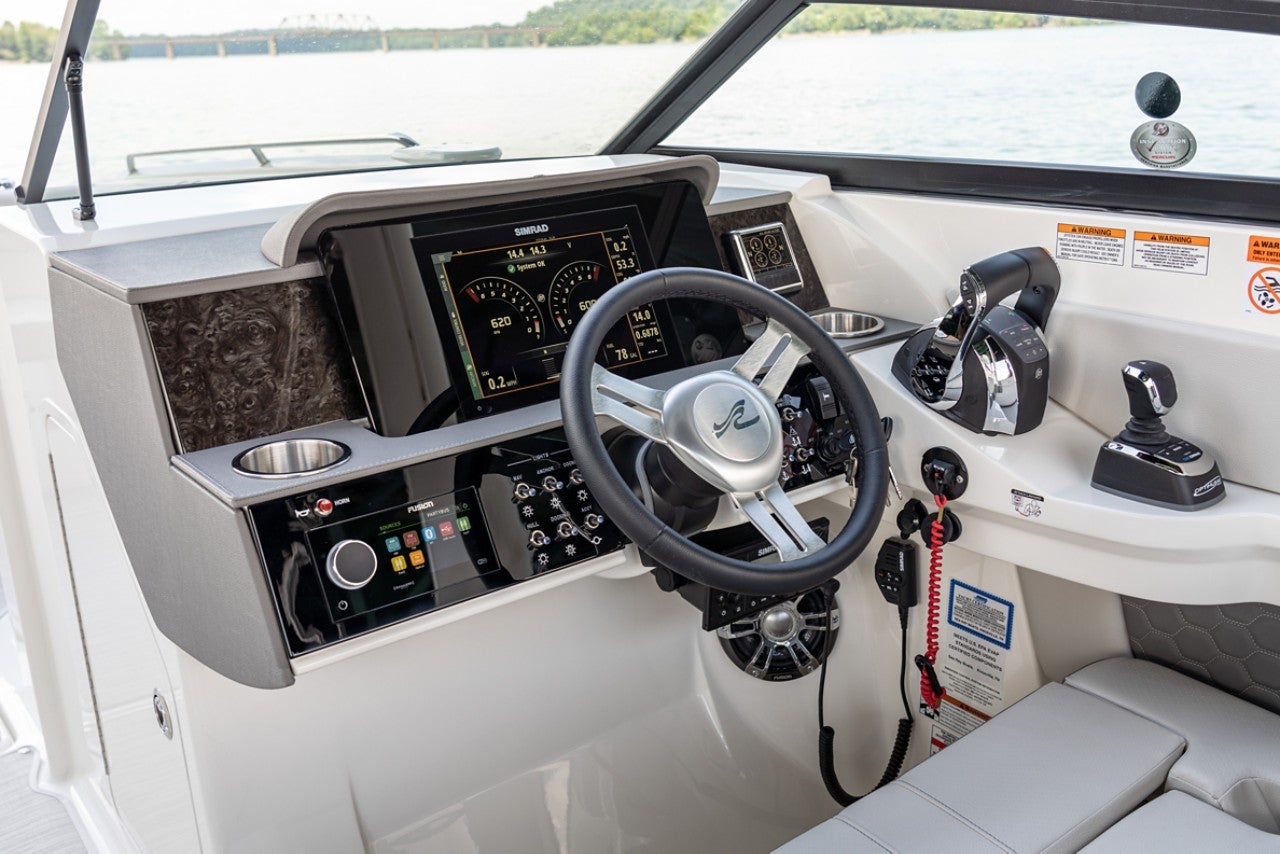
(376, 39)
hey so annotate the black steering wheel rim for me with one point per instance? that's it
(650, 534)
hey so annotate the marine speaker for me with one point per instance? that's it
(784, 641)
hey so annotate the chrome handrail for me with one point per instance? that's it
(258, 148)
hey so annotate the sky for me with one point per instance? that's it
(175, 17)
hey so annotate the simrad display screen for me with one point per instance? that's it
(513, 293)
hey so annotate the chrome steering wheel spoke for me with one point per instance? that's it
(778, 520)
(751, 362)
(635, 406)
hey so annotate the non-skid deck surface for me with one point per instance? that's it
(31, 822)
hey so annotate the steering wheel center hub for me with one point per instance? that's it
(725, 430)
(730, 422)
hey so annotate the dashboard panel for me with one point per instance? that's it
(480, 305)
(373, 551)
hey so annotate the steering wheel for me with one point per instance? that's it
(726, 429)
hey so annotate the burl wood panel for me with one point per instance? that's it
(811, 295)
(249, 363)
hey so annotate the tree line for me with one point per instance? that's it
(31, 42)
(586, 22)
(570, 22)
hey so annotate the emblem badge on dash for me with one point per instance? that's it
(734, 419)
(1206, 488)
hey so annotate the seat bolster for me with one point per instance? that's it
(1232, 759)
(1176, 823)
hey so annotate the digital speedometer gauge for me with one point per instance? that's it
(515, 293)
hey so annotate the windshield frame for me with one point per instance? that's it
(73, 38)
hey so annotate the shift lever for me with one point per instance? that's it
(1143, 462)
(1152, 393)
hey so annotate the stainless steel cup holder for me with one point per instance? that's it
(291, 458)
(843, 323)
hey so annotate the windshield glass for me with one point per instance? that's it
(180, 93)
(949, 84)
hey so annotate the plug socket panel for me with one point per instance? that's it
(944, 473)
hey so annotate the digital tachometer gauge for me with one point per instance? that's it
(1163, 144)
(502, 309)
(575, 288)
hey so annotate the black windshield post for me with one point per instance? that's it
(77, 27)
(75, 102)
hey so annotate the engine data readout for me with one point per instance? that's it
(514, 293)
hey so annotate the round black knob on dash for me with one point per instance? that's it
(351, 564)
(1158, 95)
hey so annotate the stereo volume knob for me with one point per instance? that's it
(351, 564)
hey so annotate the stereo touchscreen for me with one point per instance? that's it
(512, 294)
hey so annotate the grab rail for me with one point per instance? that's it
(259, 149)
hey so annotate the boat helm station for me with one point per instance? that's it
(703, 489)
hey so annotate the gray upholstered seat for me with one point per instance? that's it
(1048, 774)
(1067, 764)
(1232, 759)
(1176, 823)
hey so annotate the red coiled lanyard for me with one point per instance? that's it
(931, 690)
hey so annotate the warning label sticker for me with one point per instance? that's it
(1026, 504)
(1093, 243)
(971, 662)
(980, 614)
(1264, 291)
(955, 718)
(1173, 253)
(1263, 250)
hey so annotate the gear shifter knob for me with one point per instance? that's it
(1152, 393)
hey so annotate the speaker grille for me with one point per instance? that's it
(784, 641)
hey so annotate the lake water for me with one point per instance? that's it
(1055, 95)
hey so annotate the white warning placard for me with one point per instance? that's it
(981, 614)
(1096, 244)
(971, 662)
(1173, 253)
